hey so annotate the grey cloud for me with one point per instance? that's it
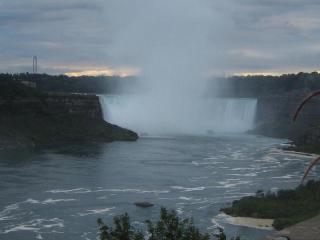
(285, 33)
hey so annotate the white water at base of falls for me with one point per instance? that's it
(201, 117)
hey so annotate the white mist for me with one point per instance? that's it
(172, 42)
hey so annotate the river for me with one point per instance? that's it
(59, 193)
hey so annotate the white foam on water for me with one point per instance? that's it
(36, 225)
(9, 208)
(198, 178)
(85, 236)
(186, 198)
(242, 169)
(186, 189)
(52, 201)
(8, 214)
(132, 190)
(96, 211)
(5, 214)
(75, 190)
(21, 228)
(196, 163)
(99, 189)
(32, 201)
(7, 218)
(39, 236)
(48, 201)
(200, 201)
(232, 183)
(179, 210)
(288, 176)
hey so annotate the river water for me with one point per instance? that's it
(60, 193)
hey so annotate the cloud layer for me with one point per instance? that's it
(75, 35)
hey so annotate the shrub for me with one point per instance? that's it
(287, 207)
(168, 227)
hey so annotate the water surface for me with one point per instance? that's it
(60, 193)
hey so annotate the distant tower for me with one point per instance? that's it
(35, 64)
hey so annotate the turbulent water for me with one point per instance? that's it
(60, 194)
(203, 116)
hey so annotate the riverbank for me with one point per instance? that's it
(287, 207)
(258, 223)
(303, 138)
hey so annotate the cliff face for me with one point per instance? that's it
(274, 118)
(56, 119)
(54, 104)
(283, 107)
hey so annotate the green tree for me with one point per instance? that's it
(168, 227)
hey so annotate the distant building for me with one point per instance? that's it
(29, 83)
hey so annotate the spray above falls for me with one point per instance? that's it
(202, 117)
(172, 42)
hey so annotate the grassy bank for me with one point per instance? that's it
(287, 207)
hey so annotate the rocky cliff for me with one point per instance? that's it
(55, 119)
(274, 118)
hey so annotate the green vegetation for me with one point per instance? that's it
(287, 207)
(237, 86)
(305, 148)
(169, 227)
(12, 89)
(65, 84)
(32, 118)
(258, 86)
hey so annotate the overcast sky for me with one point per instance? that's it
(244, 36)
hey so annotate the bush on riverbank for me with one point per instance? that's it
(169, 227)
(287, 207)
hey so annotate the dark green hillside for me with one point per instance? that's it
(287, 207)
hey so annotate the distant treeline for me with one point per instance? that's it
(82, 84)
(237, 86)
(255, 86)
(12, 89)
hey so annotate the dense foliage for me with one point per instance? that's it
(255, 86)
(32, 118)
(169, 227)
(237, 86)
(83, 84)
(287, 207)
(11, 88)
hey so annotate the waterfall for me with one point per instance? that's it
(207, 116)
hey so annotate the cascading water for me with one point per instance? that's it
(206, 116)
